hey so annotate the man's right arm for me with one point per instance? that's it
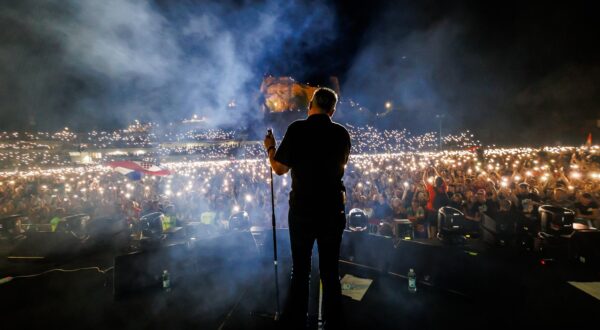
(281, 159)
(278, 167)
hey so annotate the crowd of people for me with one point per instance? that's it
(386, 186)
(414, 185)
(26, 150)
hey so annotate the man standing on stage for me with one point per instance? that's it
(316, 150)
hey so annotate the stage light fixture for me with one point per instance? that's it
(451, 225)
(556, 221)
(239, 221)
(357, 220)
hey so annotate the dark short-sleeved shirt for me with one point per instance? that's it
(382, 211)
(316, 149)
(488, 207)
(586, 209)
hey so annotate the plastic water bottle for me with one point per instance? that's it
(412, 281)
(166, 281)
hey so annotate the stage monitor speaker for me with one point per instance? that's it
(137, 271)
(424, 256)
(584, 246)
(106, 227)
(45, 245)
(499, 230)
(367, 249)
(555, 220)
(107, 232)
(447, 266)
(263, 239)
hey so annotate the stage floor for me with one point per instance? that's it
(519, 294)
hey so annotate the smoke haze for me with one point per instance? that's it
(505, 70)
(90, 63)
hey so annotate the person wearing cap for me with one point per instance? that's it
(526, 199)
(457, 201)
(478, 207)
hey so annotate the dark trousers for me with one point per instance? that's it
(327, 231)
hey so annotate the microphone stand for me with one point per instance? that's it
(275, 265)
(277, 314)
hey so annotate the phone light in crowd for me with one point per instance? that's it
(236, 208)
(430, 180)
(528, 173)
(406, 184)
(127, 195)
(359, 185)
(248, 198)
(518, 177)
(576, 175)
(388, 105)
(504, 184)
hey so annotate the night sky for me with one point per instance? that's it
(505, 68)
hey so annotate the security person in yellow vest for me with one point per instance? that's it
(168, 220)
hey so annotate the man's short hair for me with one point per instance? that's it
(325, 99)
